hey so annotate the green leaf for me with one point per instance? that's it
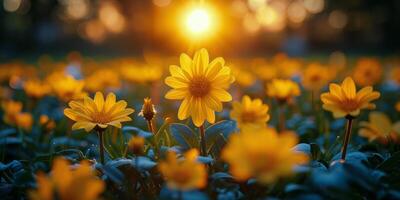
(217, 133)
(185, 137)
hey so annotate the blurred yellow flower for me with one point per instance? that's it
(250, 112)
(201, 85)
(262, 154)
(11, 109)
(24, 120)
(141, 74)
(264, 70)
(67, 88)
(101, 80)
(343, 100)
(136, 145)
(243, 77)
(13, 115)
(65, 183)
(36, 89)
(282, 89)
(368, 71)
(380, 128)
(395, 74)
(316, 76)
(183, 174)
(46, 122)
(98, 112)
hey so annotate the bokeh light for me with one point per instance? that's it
(198, 21)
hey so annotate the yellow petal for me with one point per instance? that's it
(99, 101)
(186, 63)
(349, 87)
(222, 95)
(176, 82)
(110, 101)
(176, 94)
(184, 110)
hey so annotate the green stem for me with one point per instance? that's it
(347, 137)
(203, 141)
(282, 119)
(100, 132)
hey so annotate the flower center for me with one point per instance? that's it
(199, 86)
(249, 116)
(100, 118)
(350, 105)
(315, 78)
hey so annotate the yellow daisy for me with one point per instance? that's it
(250, 112)
(66, 183)
(368, 71)
(201, 85)
(36, 89)
(343, 100)
(316, 76)
(98, 112)
(262, 154)
(184, 174)
(67, 88)
(283, 90)
(380, 127)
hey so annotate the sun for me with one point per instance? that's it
(198, 21)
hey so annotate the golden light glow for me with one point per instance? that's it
(198, 21)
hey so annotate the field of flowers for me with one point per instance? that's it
(199, 126)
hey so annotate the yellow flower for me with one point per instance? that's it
(46, 122)
(98, 112)
(136, 144)
(36, 89)
(395, 73)
(102, 79)
(250, 112)
(201, 85)
(263, 70)
(368, 71)
(184, 174)
(380, 128)
(64, 183)
(343, 100)
(24, 120)
(262, 154)
(14, 116)
(148, 111)
(316, 76)
(243, 77)
(11, 109)
(282, 89)
(67, 88)
(141, 74)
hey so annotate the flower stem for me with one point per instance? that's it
(101, 145)
(347, 137)
(150, 126)
(281, 118)
(203, 141)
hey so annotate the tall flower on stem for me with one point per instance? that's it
(344, 101)
(283, 91)
(98, 114)
(201, 85)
